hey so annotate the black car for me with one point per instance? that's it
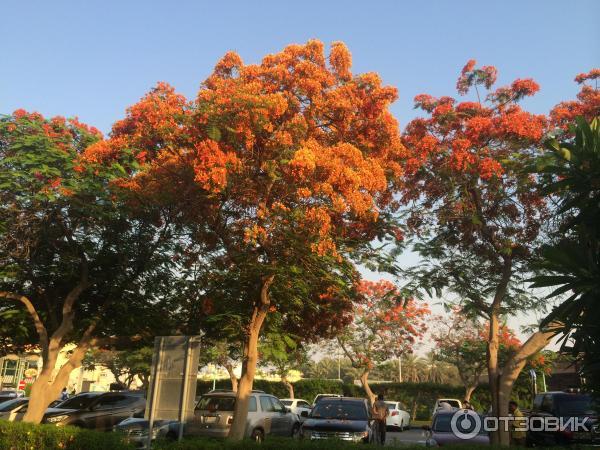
(563, 407)
(344, 418)
(96, 410)
(10, 395)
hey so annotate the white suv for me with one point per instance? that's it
(266, 415)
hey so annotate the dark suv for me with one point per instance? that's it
(97, 410)
(343, 418)
(564, 407)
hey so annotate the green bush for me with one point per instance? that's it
(26, 436)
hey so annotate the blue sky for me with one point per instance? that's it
(92, 59)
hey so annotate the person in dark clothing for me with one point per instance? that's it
(380, 412)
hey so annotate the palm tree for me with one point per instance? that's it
(434, 368)
(572, 264)
(412, 366)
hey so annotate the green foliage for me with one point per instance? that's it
(571, 265)
(25, 436)
(66, 229)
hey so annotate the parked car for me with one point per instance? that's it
(10, 394)
(14, 410)
(296, 405)
(213, 416)
(440, 432)
(343, 418)
(135, 430)
(399, 417)
(563, 405)
(96, 410)
(322, 396)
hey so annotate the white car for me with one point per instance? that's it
(296, 405)
(399, 417)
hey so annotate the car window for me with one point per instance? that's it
(288, 402)
(11, 404)
(547, 403)
(110, 402)
(213, 403)
(340, 410)
(81, 401)
(252, 404)
(575, 405)
(265, 404)
(453, 403)
(303, 404)
(277, 405)
(391, 405)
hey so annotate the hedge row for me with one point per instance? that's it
(26, 436)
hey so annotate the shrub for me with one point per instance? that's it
(26, 436)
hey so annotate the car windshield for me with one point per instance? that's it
(391, 405)
(340, 410)
(453, 403)
(575, 405)
(214, 403)
(287, 402)
(11, 404)
(80, 401)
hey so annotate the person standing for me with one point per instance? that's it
(517, 435)
(64, 395)
(380, 413)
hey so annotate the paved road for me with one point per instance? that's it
(412, 436)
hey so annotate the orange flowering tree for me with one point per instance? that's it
(587, 104)
(283, 172)
(77, 266)
(477, 209)
(386, 324)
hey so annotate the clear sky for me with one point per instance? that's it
(92, 59)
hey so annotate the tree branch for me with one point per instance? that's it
(37, 321)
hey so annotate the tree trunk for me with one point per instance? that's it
(144, 377)
(468, 392)
(289, 386)
(513, 368)
(249, 361)
(232, 377)
(364, 380)
(44, 389)
(413, 412)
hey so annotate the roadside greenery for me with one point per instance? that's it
(26, 436)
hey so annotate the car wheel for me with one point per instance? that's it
(296, 431)
(257, 435)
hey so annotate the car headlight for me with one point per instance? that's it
(56, 419)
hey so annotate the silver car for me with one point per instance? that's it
(266, 415)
